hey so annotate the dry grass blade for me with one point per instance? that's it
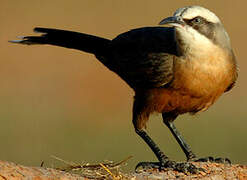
(109, 169)
(65, 162)
(103, 166)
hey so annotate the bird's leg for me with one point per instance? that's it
(139, 121)
(156, 150)
(164, 161)
(158, 153)
(168, 120)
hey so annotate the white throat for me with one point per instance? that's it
(193, 43)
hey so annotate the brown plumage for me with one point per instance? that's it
(193, 88)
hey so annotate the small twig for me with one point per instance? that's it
(42, 164)
(3, 177)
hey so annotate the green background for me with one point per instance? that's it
(55, 101)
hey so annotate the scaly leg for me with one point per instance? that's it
(164, 161)
(168, 120)
(139, 121)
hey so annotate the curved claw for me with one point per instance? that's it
(223, 160)
(212, 159)
(147, 165)
(184, 167)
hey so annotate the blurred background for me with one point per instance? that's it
(56, 101)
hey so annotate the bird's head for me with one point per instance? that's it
(198, 27)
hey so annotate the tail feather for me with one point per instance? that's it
(74, 40)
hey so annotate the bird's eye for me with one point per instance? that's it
(197, 20)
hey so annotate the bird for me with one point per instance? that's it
(183, 65)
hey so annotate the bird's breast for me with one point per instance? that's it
(197, 84)
(204, 76)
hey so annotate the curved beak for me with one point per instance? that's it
(173, 20)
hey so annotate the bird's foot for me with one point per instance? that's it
(212, 159)
(184, 167)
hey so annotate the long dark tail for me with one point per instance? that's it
(84, 42)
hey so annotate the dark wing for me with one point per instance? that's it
(144, 57)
